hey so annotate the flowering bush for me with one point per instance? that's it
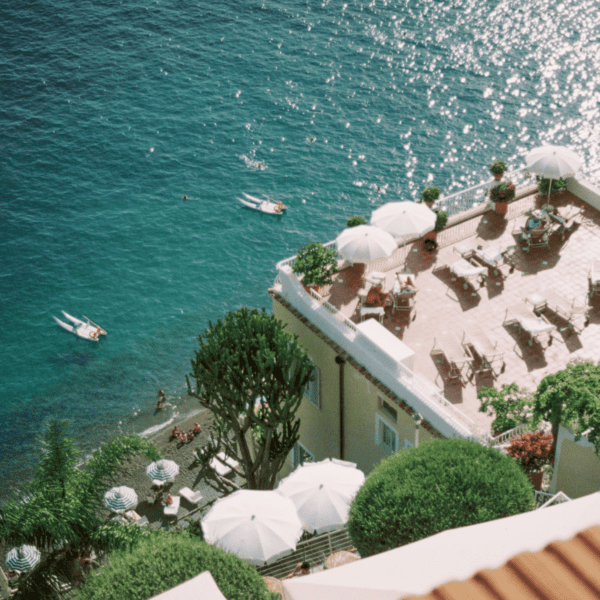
(531, 450)
(503, 192)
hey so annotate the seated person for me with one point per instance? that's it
(169, 500)
(408, 286)
(375, 297)
(301, 569)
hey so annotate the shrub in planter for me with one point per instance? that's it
(441, 221)
(510, 406)
(430, 194)
(316, 263)
(440, 485)
(532, 450)
(498, 168)
(558, 185)
(503, 192)
(354, 221)
(165, 560)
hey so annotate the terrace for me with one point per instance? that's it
(444, 307)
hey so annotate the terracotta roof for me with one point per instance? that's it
(561, 571)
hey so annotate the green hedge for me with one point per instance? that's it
(440, 485)
(165, 560)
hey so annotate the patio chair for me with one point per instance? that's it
(172, 509)
(535, 238)
(567, 216)
(468, 271)
(191, 496)
(553, 300)
(448, 346)
(594, 279)
(535, 326)
(484, 350)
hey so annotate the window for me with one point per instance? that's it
(386, 436)
(311, 391)
(388, 409)
(301, 455)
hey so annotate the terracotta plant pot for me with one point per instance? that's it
(536, 479)
(501, 207)
(311, 287)
(498, 176)
(432, 235)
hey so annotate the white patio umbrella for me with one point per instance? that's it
(553, 162)
(259, 527)
(23, 558)
(365, 244)
(120, 499)
(322, 493)
(404, 219)
(162, 470)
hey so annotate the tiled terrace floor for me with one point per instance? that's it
(443, 306)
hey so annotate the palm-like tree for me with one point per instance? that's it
(61, 513)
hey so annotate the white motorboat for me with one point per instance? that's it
(88, 330)
(269, 206)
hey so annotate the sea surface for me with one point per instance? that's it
(111, 112)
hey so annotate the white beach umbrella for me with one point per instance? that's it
(404, 219)
(23, 558)
(322, 493)
(259, 527)
(553, 162)
(162, 470)
(365, 244)
(120, 499)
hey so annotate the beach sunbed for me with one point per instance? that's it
(576, 314)
(448, 346)
(190, 495)
(172, 509)
(468, 271)
(219, 467)
(594, 279)
(536, 326)
(485, 351)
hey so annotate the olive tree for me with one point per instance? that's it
(440, 485)
(251, 375)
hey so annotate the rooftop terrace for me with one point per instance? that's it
(443, 306)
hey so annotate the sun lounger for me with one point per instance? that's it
(468, 271)
(448, 346)
(171, 510)
(375, 278)
(190, 495)
(537, 327)
(567, 216)
(135, 518)
(594, 279)
(570, 310)
(477, 341)
(219, 467)
(403, 293)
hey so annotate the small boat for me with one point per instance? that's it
(88, 330)
(269, 206)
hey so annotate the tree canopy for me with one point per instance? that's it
(164, 560)
(571, 397)
(440, 485)
(60, 511)
(251, 375)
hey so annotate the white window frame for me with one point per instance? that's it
(312, 390)
(297, 452)
(380, 423)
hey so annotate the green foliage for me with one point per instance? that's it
(532, 450)
(64, 503)
(498, 167)
(503, 192)
(246, 357)
(430, 194)
(571, 397)
(558, 185)
(441, 221)
(316, 263)
(440, 485)
(510, 406)
(164, 560)
(354, 221)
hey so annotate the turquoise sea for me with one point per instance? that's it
(111, 112)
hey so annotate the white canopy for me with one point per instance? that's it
(453, 555)
(202, 586)
(365, 244)
(404, 219)
(553, 162)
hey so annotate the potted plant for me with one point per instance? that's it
(498, 168)
(441, 221)
(510, 406)
(355, 221)
(558, 186)
(501, 194)
(430, 195)
(532, 450)
(316, 264)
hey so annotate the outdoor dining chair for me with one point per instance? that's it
(536, 326)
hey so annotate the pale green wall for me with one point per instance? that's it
(578, 470)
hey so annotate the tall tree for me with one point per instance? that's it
(61, 513)
(571, 397)
(251, 375)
